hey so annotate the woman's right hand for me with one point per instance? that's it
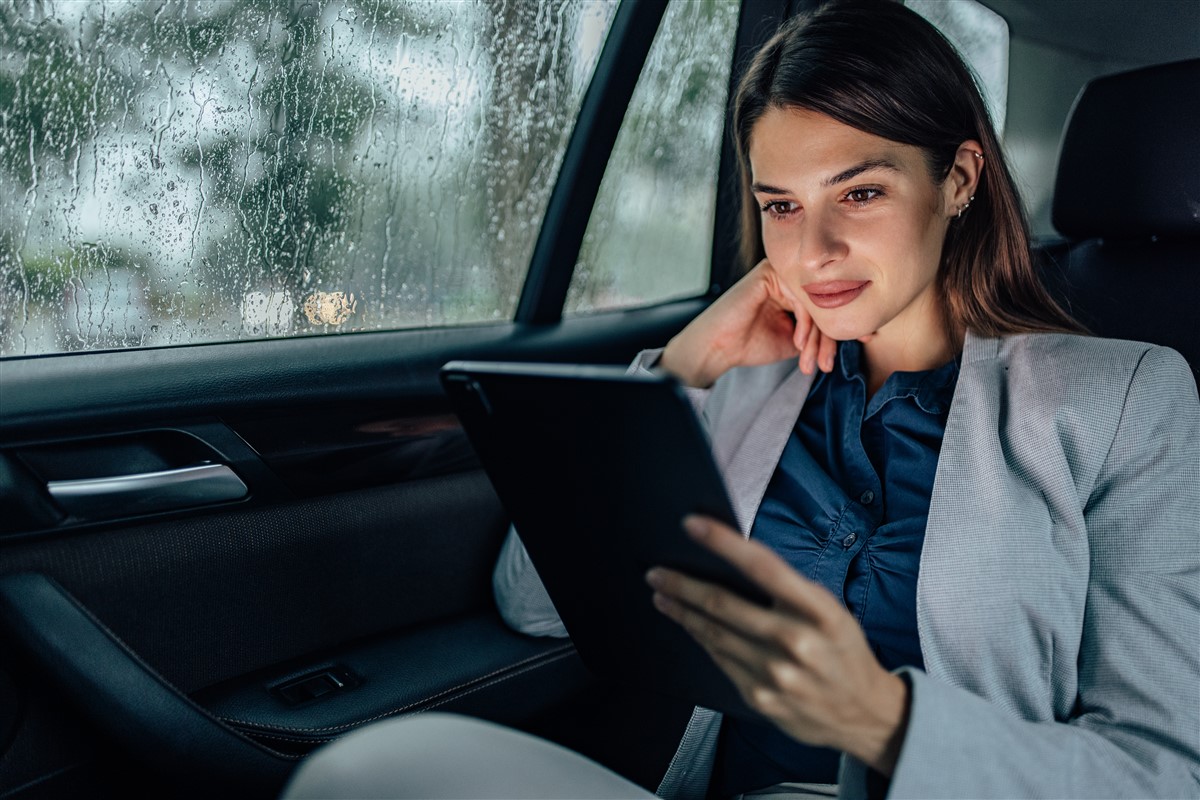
(757, 321)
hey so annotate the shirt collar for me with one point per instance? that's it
(931, 389)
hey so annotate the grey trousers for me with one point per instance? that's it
(442, 756)
(446, 756)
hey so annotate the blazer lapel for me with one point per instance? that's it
(748, 456)
(752, 461)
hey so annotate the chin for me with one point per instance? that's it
(845, 330)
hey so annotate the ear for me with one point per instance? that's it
(958, 190)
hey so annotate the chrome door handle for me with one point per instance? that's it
(148, 492)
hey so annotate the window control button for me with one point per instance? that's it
(314, 685)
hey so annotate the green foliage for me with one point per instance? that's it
(313, 102)
(233, 132)
(397, 18)
(181, 30)
(44, 278)
(286, 212)
(302, 197)
(57, 98)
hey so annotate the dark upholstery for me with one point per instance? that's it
(1130, 160)
(1127, 197)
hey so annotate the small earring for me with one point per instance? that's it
(964, 207)
(977, 155)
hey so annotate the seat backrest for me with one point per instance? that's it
(1127, 198)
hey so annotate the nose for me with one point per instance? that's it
(815, 242)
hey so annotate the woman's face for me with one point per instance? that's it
(852, 223)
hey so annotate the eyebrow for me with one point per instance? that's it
(841, 177)
(858, 169)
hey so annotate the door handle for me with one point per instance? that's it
(148, 492)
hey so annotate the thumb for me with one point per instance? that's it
(778, 291)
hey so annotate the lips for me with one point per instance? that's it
(832, 294)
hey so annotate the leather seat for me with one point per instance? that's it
(1127, 199)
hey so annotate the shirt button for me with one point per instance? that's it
(867, 497)
(850, 540)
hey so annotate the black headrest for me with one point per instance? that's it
(1130, 160)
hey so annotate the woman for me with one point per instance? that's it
(1046, 484)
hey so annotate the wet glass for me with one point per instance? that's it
(981, 36)
(649, 239)
(178, 172)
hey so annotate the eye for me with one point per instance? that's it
(779, 209)
(862, 195)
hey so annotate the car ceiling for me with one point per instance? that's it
(1110, 30)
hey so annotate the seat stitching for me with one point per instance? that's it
(153, 674)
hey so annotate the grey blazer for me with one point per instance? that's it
(1058, 600)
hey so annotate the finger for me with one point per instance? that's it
(827, 350)
(756, 693)
(718, 639)
(804, 323)
(808, 353)
(772, 285)
(772, 688)
(766, 569)
(740, 667)
(804, 326)
(779, 289)
(696, 603)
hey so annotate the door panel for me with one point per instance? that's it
(365, 542)
(206, 598)
(350, 582)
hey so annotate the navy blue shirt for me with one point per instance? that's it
(847, 508)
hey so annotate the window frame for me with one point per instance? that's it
(544, 292)
(757, 22)
(564, 223)
(52, 395)
(589, 149)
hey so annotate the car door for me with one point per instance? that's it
(238, 518)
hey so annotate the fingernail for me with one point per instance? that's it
(654, 578)
(697, 527)
(663, 603)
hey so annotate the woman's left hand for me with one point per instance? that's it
(802, 663)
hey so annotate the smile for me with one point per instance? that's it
(834, 293)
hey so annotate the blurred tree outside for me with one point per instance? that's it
(177, 172)
(650, 236)
(517, 125)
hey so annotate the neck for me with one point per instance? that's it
(912, 348)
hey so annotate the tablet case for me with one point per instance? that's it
(597, 468)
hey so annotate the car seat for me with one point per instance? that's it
(1127, 199)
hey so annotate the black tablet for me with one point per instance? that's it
(597, 468)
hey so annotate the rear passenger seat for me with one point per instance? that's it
(1127, 199)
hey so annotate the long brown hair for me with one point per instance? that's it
(881, 68)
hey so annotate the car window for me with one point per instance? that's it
(649, 238)
(192, 172)
(981, 36)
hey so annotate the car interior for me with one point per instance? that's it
(216, 557)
